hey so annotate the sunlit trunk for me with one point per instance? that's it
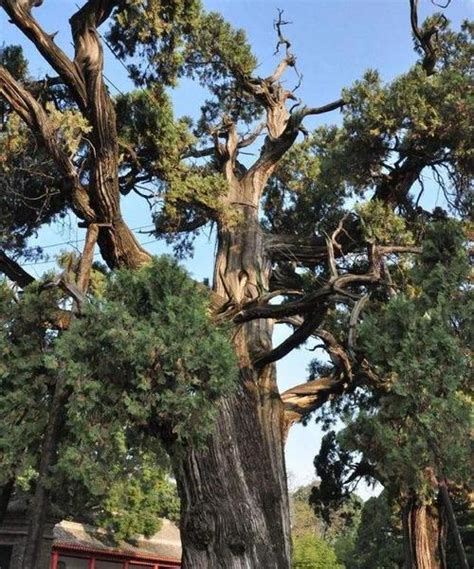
(425, 535)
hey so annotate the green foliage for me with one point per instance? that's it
(70, 126)
(311, 552)
(379, 540)
(151, 344)
(176, 38)
(413, 344)
(386, 126)
(25, 379)
(411, 424)
(308, 186)
(336, 527)
(136, 500)
(12, 58)
(381, 225)
(147, 125)
(144, 366)
(379, 537)
(303, 519)
(152, 32)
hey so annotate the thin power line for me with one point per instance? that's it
(74, 241)
(95, 255)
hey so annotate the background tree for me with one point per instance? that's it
(276, 236)
(379, 540)
(408, 427)
(312, 552)
(337, 527)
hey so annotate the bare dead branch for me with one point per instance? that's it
(306, 111)
(296, 339)
(252, 137)
(14, 271)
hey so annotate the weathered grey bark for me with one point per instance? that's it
(234, 495)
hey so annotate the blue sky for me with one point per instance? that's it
(335, 42)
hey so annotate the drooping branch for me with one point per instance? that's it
(307, 111)
(14, 271)
(301, 334)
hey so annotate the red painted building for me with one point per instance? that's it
(76, 546)
(71, 545)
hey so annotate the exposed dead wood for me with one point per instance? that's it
(14, 271)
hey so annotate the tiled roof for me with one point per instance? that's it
(165, 544)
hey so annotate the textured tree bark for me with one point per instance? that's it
(234, 495)
(39, 506)
(425, 535)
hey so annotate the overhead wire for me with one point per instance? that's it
(74, 242)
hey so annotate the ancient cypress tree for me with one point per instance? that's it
(406, 430)
(283, 229)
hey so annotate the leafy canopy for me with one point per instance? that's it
(143, 366)
(405, 431)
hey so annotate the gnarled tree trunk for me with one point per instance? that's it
(425, 533)
(234, 496)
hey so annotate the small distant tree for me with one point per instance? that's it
(312, 552)
(379, 539)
